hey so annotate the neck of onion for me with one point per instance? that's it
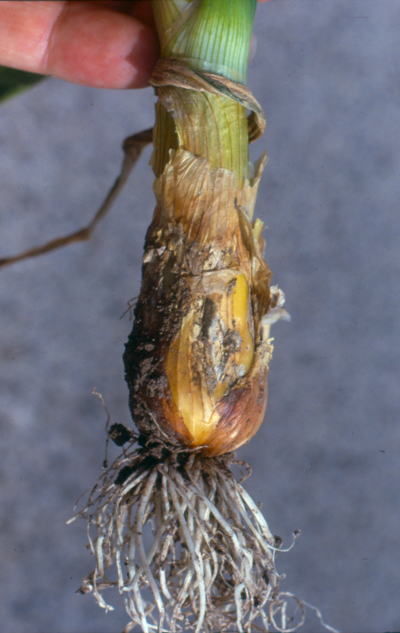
(210, 36)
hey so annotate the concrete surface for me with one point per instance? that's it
(326, 459)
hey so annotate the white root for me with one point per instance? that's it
(191, 549)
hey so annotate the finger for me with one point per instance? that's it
(83, 42)
(101, 47)
(143, 12)
(124, 6)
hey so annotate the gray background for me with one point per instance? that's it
(326, 459)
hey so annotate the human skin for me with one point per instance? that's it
(102, 43)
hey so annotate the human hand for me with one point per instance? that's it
(102, 43)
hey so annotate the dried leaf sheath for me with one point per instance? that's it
(196, 361)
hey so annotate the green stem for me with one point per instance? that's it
(209, 36)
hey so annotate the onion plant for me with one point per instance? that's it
(169, 524)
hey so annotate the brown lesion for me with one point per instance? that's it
(186, 350)
(158, 314)
(242, 409)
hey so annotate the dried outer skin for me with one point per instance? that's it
(196, 361)
(174, 72)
